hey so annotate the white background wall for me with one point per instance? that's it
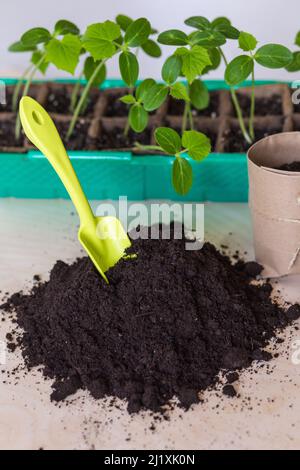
(269, 20)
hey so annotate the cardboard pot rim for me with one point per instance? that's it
(261, 153)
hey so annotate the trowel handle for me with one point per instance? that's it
(41, 131)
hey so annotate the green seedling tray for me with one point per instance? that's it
(108, 175)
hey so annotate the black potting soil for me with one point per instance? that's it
(176, 107)
(166, 325)
(7, 135)
(116, 139)
(235, 142)
(294, 167)
(115, 107)
(266, 106)
(79, 138)
(59, 102)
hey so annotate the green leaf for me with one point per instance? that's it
(128, 99)
(294, 66)
(129, 68)
(198, 22)
(138, 118)
(297, 39)
(247, 41)
(137, 32)
(171, 69)
(220, 21)
(207, 38)
(98, 39)
(19, 47)
(124, 22)
(179, 92)
(215, 57)
(143, 88)
(63, 27)
(224, 26)
(151, 48)
(199, 95)
(90, 66)
(36, 60)
(168, 139)
(273, 56)
(198, 145)
(155, 97)
(239, 70)
(194, 61)
(173, 37)
(35, 36)
(64, 54)
(182, 176)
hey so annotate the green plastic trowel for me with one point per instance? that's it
(103, 238)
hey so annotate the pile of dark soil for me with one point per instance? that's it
(166, 325)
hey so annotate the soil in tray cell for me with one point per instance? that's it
(267, 106)
(294, 167)
(176, 107)
(236, 143)
(7, 135)
(59, 102)
(78, 140)
(116, 139)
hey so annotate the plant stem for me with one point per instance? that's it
(127, 127)
(75, 92)
(252, 108)
(184, 117)
(25, 92)
(139, 146)
(18, 88)
(83, 98)
(237, 107)
(190, 117)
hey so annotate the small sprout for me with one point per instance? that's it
(149, 46)
(138, 116)
(273, 56)
(194, 144)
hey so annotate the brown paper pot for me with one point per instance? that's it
(274, 198)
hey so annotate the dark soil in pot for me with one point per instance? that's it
(79, 138)
(59, 102)
(176, 107)
(116, 139)
(234, 141)
(7, 135)
(115, 107)
(294, 167)
(268, 106)
(166, 325)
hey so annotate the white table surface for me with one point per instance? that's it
(33, 235)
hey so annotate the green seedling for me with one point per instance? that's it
(214, 36)
(150, 47)
(273, 56)
(294, 66)
(192, 143)
(138, 117)
(60, 48)
(104, 41)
